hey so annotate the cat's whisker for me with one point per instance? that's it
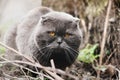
(45, 51)
(35, 58)
(72, 54)
(73, 49)
(42, 48)
(41, 57)
(68, 57)
(47, 55)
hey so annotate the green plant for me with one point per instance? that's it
(87, 55)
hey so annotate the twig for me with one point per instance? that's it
(113, 67)
(15, 63)
(109, 57)
(75, 8)
(85, 31)
(53, 65)
(105, 32)
(36, 65)
(31, 62)
(24, 73)
(84, 25)
(45, 68)
(28, 58)
(118, 73)
(104, 35)
(8, 76)
(49, 72)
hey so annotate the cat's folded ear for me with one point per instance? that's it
(45, 19)
(77, 20)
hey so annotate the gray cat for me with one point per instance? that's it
(45, 34)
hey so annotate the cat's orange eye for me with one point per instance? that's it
(52, 34)
(67, 35)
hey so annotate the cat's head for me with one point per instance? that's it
(58, 37)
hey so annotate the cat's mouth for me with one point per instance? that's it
(56, 47)
(60, 55)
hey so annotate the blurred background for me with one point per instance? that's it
(91, 12)
(11, 11)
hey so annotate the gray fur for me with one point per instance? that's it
(26, 37)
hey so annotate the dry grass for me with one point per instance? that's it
(52, 71)
(111, 64)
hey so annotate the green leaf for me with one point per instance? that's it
(86, 55)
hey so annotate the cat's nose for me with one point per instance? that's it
(59, 40)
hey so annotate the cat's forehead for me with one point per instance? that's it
(61, 16)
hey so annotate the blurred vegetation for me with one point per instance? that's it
(12, 11)
(93, 12)
(2, 49)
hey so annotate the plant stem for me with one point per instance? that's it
(104, 34)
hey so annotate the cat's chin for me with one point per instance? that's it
(58, 48)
